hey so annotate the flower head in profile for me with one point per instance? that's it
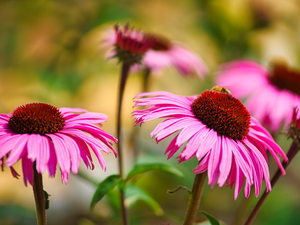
(161, 54)
(42, 134)
(272, 93)
(131, 44)
(216, 127)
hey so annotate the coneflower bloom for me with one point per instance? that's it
(130, 44)
(271, 93)
(216, 127)
(163, 53)
(42, 134)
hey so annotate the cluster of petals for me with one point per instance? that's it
(226, 161)
(177, 55)
(266, 102)
(65, 148)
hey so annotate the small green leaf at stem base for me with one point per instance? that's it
(47, 201)
(211, 219)
(105, 186)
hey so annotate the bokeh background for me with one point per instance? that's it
(50, 51)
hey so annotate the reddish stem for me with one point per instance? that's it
(291, 154)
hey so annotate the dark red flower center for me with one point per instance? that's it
(36, 118)
(223, 113)
(284, 77)
(161, 44)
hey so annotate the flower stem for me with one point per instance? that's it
(291, 154)
(146, 76)
(135, 133)
(39, 197)
(194, 199)
(124, 75)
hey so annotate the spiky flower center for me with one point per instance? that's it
(132, 44)
(223, 113)
(285, 78)
(36, 118)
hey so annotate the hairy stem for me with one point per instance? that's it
(39, 197)
(194, 199)
(124, 75)
(291, 154)
(135, 133)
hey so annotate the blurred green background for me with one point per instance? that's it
(50, 51)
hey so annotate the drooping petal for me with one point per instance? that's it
(213, 169)
(27, 168)
(18, 150)
(73, 150)
(226, 160)
(62, 153)
(44, 154)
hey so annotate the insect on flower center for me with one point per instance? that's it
(36, 118)
(220, 111)
(284, 77)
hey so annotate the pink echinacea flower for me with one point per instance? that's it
(41, 133)
(271, 93)
(162, 53)
(216, 127)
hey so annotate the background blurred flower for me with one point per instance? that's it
(41, 133)
(219, 131)
(272, 93)
(164, 53)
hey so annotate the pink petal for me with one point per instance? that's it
(62, 153)
(213, 169)
(27, 168)
(19, 149)
(226, 161)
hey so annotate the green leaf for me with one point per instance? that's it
(105, 186)
(134, 193)
(211, 219)
(47, 201)
(143, 168)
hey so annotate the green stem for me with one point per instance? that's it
(39, 196)
(135, 133)
(242, 210)
(291, 154)
(194, 199)
(146, 76)
(87, 178)
(124, 75)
